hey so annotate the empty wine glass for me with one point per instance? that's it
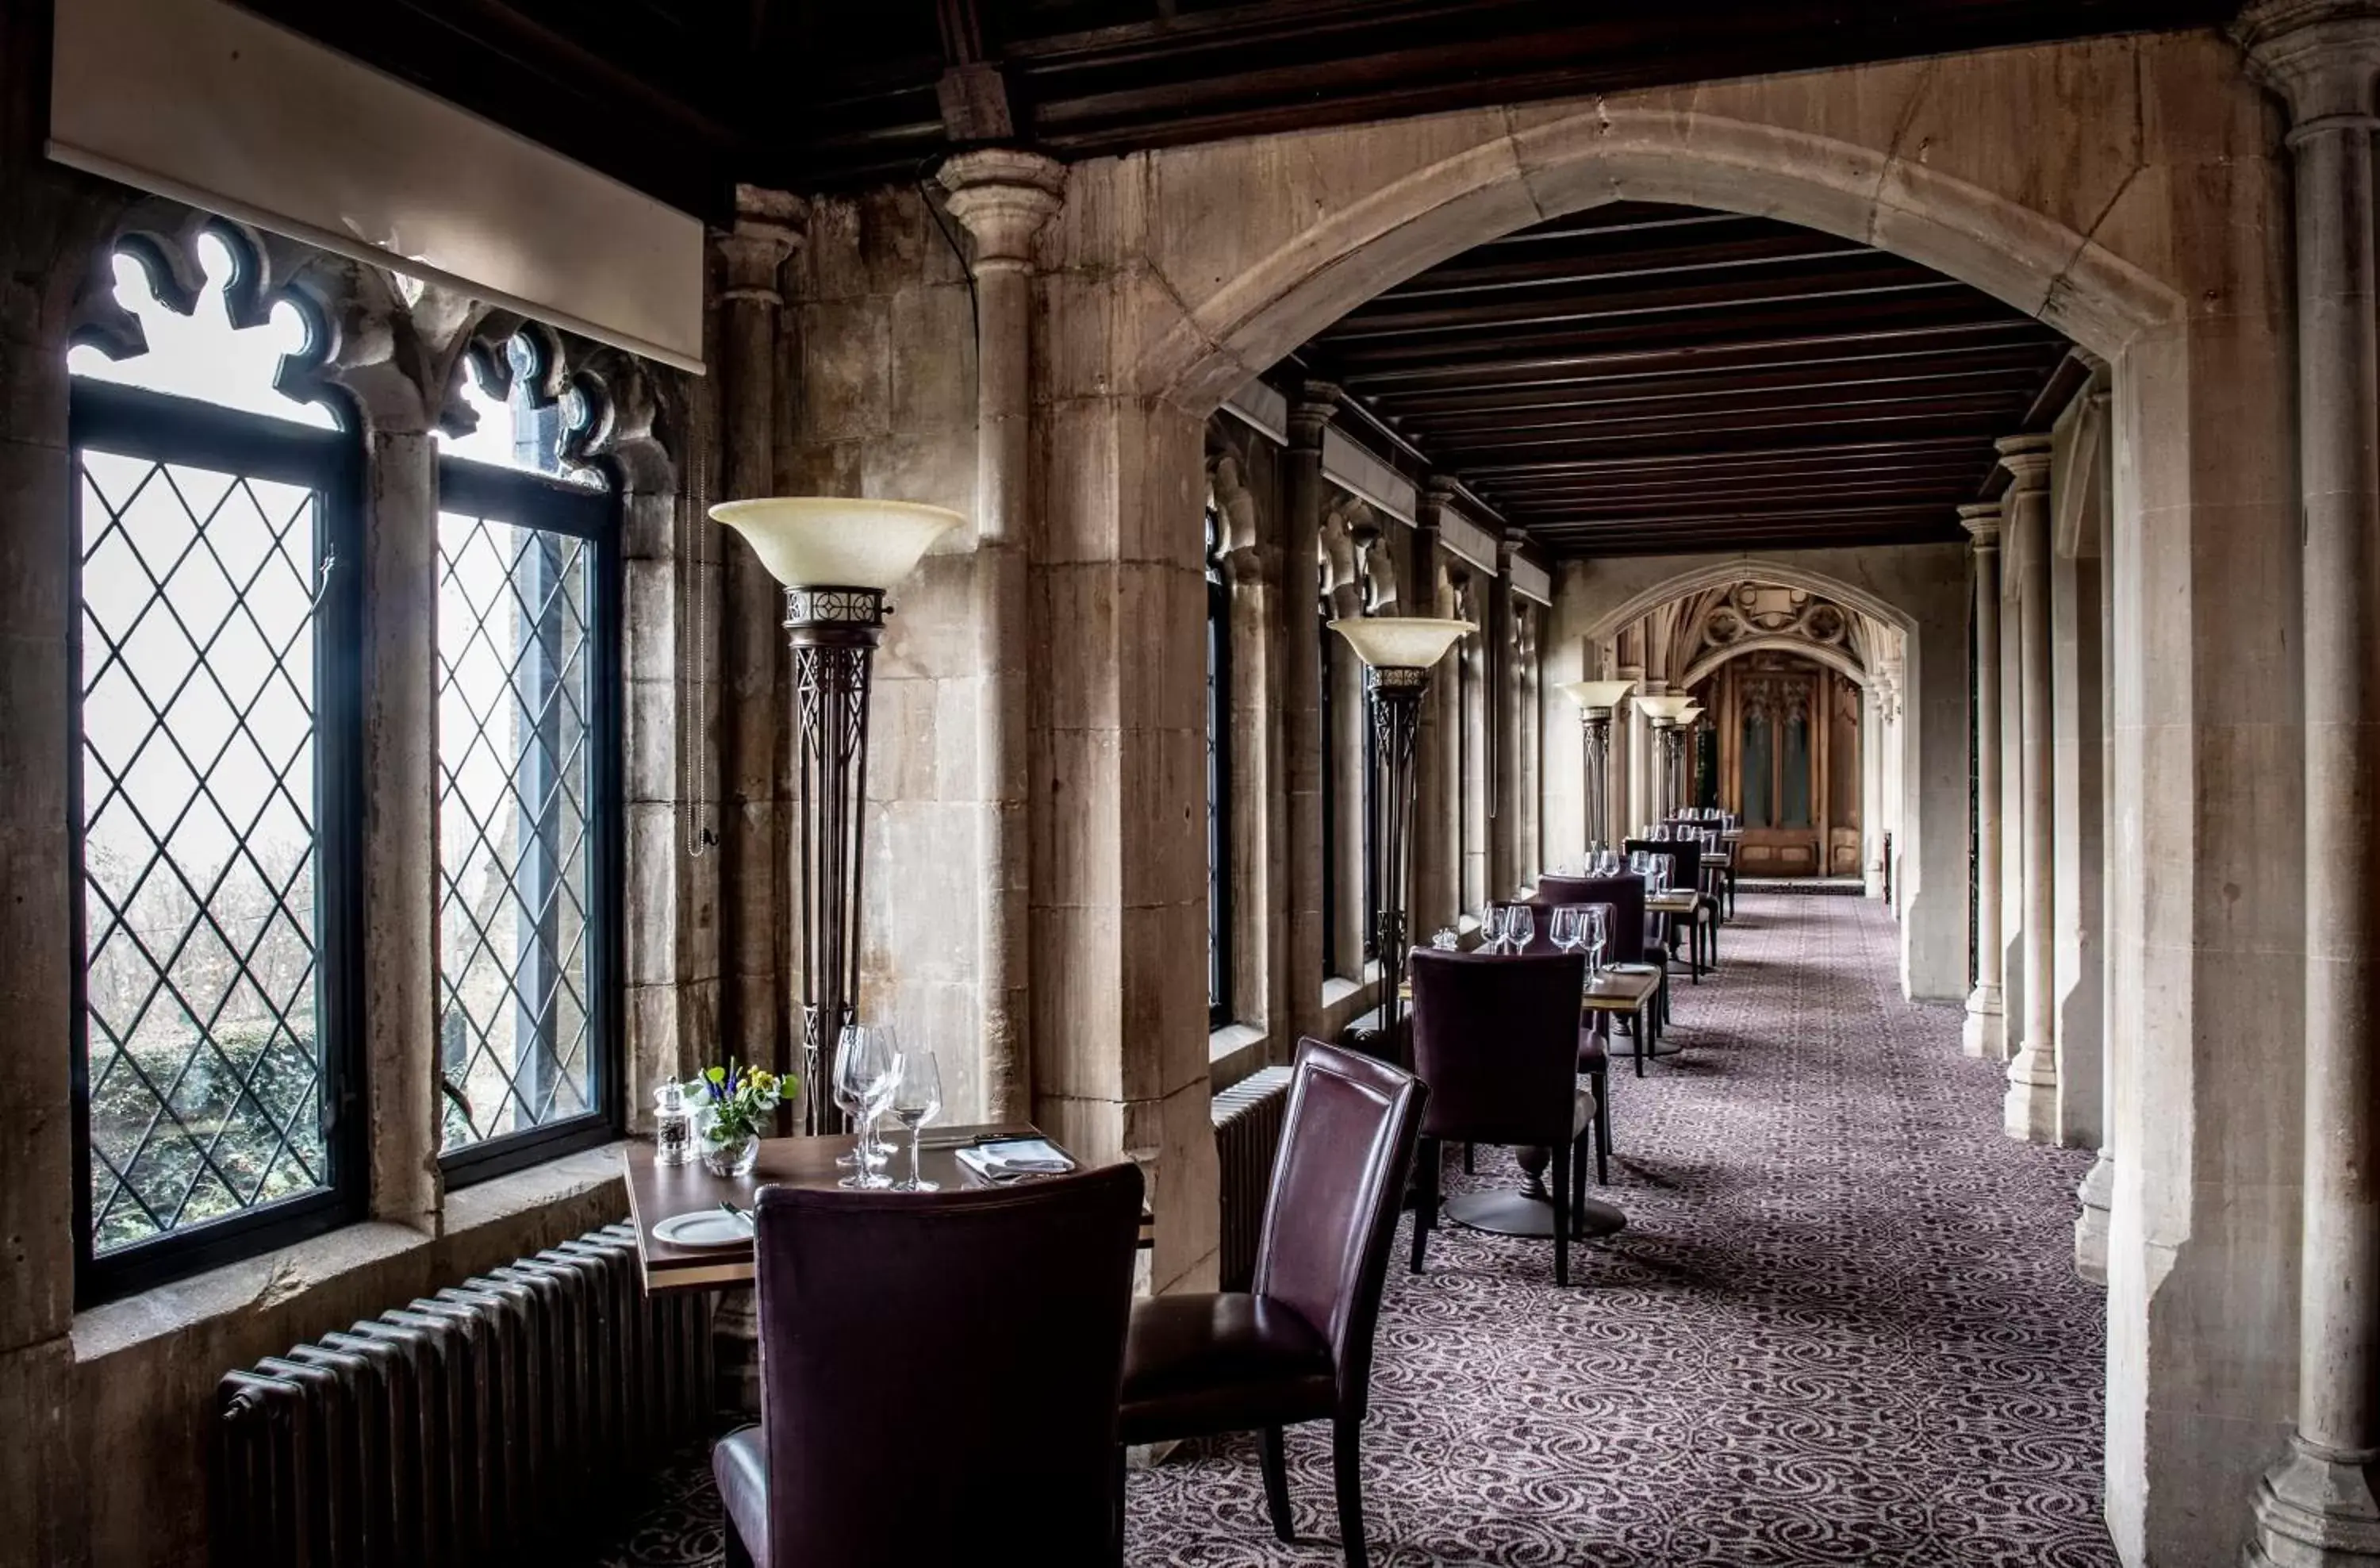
(1563, 926)
(917, 1099)
(1520, 926)
(1598, 934)
(864, 1073)
(846, 1044)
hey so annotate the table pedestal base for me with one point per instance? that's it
(1519, 1214)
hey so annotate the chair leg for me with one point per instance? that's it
(1561, 1152)
(1276, 1483)
(1347, 1467)
(1116, 1501)
(1426, 1206)
(1603, 1128)
(1578, 1189)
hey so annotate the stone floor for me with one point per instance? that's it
(1842, 1327)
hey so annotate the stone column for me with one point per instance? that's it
(2318, 1506)
(1983, 1035)
(1435, 838)
(2031, 1111)
(2077, 609)
(755, 848)
(1003, 197)
(1872, 785)
(1301, 701)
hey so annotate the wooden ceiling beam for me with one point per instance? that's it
(1689, 437)
(1587, 259)
(2011, 365)
(1695, 461)
(1949, 470)
(1767, 342)
(1452, 431)
(1850, 283)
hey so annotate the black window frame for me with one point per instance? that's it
(163, 428)
(1219, 780)
(537, 501)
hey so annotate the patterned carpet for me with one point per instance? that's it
(1842, 1327)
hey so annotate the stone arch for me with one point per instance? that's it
(1833, 658)
(1722, 571)
(2012, 251)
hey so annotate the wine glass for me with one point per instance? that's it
(1563, 926)
(847, 1047)
(1598, 931)
(864, 1072)
(1491, 929)
(917, 1099)
(1520, 926)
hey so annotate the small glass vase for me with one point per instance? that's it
(730, 1155)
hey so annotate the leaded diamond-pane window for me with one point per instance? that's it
(521, 720)
(211, 1072)
(198, 854)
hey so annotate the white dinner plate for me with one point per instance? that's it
(1628, 968)
(704, 1227)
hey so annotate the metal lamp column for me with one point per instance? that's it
(1398, 652)
(1595, 701)
(837, 559)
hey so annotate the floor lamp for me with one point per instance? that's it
(1595, 701)
(1397, 651)
(1662, 710)
(837, 558)
(1687, 720)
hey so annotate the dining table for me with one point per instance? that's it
(658, 1192)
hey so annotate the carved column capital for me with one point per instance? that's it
(2321, 56)
(1982, 521)
(1310, 412)
(2026, 458)
(769, 226)
(1003, 196)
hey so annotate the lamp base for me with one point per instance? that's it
(1519, 1214)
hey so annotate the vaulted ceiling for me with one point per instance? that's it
(682, 98)
(1643, 379)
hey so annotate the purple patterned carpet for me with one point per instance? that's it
(1842, 1327)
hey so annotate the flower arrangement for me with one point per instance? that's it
(735, 1103)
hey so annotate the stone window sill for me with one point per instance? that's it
(346, 1261)
(1233, 1053)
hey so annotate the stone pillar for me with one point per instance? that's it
(1872, 785)
(2031, 1111)
(1300, 703)
(755, 845)
(2318, 1506)
(1984, 1033)
(1435, 838)
(398, 680)
(2085, 1064)
(2014, 980)
(1003, 197)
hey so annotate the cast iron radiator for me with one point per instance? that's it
(1247, 1135)
(492, 1417)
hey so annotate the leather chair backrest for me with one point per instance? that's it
(1338, 1184)
(940, 1372)
(1625, 894)
(1497, 1041)
(1685, 855)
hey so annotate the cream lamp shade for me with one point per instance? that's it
(835, 541)
(1597, 695)
(1663, 708)
(1400, 642)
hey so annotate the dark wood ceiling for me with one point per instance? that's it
(1643, 379)
(681, 98)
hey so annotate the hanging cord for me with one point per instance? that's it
(694, 508)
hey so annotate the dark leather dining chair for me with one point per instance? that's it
(1297, 1346)
(1497, 1041)
(1594, 1045)
(1625, 892)
(939, 1376)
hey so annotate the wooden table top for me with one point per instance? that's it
(1608, 992)
(659, 1192)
